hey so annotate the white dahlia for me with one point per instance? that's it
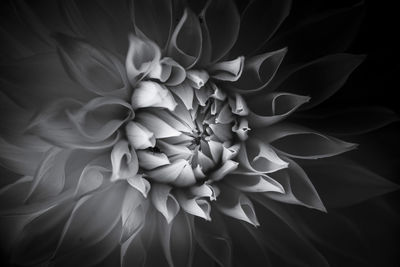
(152, 133)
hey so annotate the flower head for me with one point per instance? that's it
(158, 131)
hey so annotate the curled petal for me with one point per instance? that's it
(95, 69)
(168, 173)
(254, 183)
(139, 136)
(140, 184)
(300, 142)
(258, 71)
(238, 105)
(133, 214)
(143, 57)
(280, 106)
(195, 206)
(186, 40)
(259, 157)
(124, 161)
(164, 201)
(176, 73)
(241, 129)
(299, 189)
(227, 70)
(197, 78)
(235, 204)
(185, 92)
(160, 128)
(230, 152)
(227, 167)
(225, 115)
(151, 94)
(205, 190)
(150, 160)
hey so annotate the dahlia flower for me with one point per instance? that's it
(150, 133)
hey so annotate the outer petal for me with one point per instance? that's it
(164, 201)
(124, 161)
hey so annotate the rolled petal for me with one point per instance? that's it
(157, 126)
(241, 128)
(174, 151)
(177, 73)
(227, 70)
(280, 106)
(254, 183)
(140, 184)
(299, 189)
(133, 214)
(197, 207)
(143, 57)
(197, 78)
(168, 173)
(150, 160)
(238, 105)
(204, 190)
(300, 142)
(258, 72)
(124, 161)
(228, 167)
(96, 70)
(151, 94)
(139, 137)
(235, 204)
(230, 152)
(259, 157)
(164, 201)
(186, 40)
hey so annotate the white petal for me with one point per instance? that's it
(151, 94)
(168, 173)
(241, 209)
(139, 136)
(197, 78)
(198, 172)
(185, 92)
(197, 207)
(164, 201)
(254, 183)
(176, 151)
(227, 70)
(186, 177)
(239, 105)
(149, 160)
(91, 178)
(230, 152)
(160, 128)
(228, 167)
(140, 184)
(124, 161)
(225, 115)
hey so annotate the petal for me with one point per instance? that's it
(204, 190)
(222, 20)
(174, 151)
(151, 94)
(197, 78)
(140, 184)
(280, 106)
(258, 72)
(185, 92)
(91, 178)
(159, 127)
(139, 136)
(95, 69)
(300, 142)
(227, 70)
(259, 157)
(332, 72)
(168, 173)
(354, 183)
(197, 207)
(124, 161)
(259, 21)
(153, 19)
(164, 201)
(186, 40)
(142, 58)
(226, 168)
(299, 189)
(177, 73)
(186, 177)
(238, 105)
(235, 204)
(254, 183)
(241, 128)
(133, 214)
(150, 160)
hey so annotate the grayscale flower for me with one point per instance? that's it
(141, 130)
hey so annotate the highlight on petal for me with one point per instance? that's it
(164, 201)
(133, 214)
(96, 70)
(237, 205)
(151, 94)
(143, 57)
(186, 40)
(299, 142)
(259, 157)
(173, 73)
(254, 182)
(140, 184)
(157, 126)
(258, 71)
(227, 70)
(150, 160)
(124, 161)
(280, 106)
(139, 137)
(197, 78)
(238, 105)
(299, 189)
(185, 92)
(193, 205)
